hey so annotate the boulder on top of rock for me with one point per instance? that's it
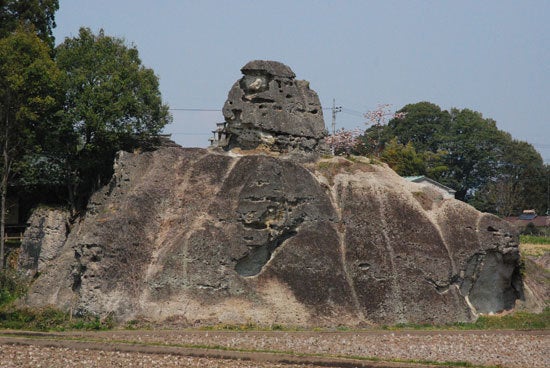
(269, 108)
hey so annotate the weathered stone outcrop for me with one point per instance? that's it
(268, 107)
(198, 235)
(44, 238)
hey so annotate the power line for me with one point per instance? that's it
(195, 109)
(352, 112)
(201, 110)
(184, 133)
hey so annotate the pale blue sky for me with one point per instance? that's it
(489, 56)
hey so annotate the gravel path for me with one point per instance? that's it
(483, 348)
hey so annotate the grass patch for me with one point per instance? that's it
(12, 286)
(513, 321)
(534, 239)
(534, 249)
(329, 168)
(50, 319)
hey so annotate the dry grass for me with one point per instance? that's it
(536, 250)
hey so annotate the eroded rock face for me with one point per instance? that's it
(269, 107)
(206, 237)
(43, 239)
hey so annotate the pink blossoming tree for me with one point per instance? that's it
(345, 141)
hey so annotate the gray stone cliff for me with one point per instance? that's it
(198, 235)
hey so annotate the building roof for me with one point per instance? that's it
(527, 216)
(422, 178)
(537, 220)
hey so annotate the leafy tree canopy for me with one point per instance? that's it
(423, 124)
(521, 182)
(108, 92)
(403, 159)
(111, 100)
(39, 14)
(29, 92)
(467, 152)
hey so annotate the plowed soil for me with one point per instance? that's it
(169, 348)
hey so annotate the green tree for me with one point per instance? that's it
(29, 90)
(111, 102)
(520, 182)
(40, 14)
(467, 152)
(474, 149)
(373, 140)
(403, 159)
(423, 124)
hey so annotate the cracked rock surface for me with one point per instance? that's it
(196, 236)
(269, 107)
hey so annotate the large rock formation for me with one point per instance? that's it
(215, 237)
(268, 107)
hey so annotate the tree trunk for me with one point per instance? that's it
(3, 192)
(3, 219)
(70, 188)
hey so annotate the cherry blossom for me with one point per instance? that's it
(343, 141)
(382, 114)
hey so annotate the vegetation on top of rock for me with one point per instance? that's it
(330, 167)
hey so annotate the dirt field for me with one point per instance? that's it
(274, 349)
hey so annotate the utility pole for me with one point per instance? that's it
(334, 111)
